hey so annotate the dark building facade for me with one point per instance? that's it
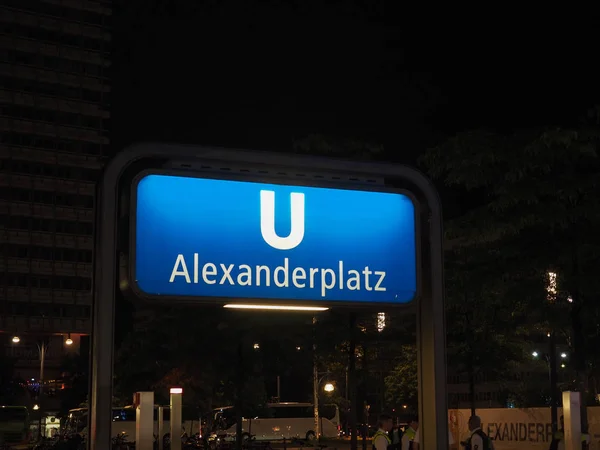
(54, 112)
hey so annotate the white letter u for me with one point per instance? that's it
(267, 221)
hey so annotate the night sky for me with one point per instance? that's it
(261, 74)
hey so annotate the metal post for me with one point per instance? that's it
(315, 381)
(316, 400)
(42, 352)
(144, 421)
(431, 333)
(175, 419)
(104, 286)
(572, 415)
(553, 382)
(161, 426)
(278, 388)
(352, 382)
(347, 387)
(239, 392)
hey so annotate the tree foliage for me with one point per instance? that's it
(536, 210)
(401, 385)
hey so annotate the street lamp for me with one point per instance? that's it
(563, 355)
(42, 349)
(535, 354)
(328, 388)
(69, 341)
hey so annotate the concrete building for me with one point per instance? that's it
(54, 97)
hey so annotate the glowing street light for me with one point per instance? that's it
(563, 366)
(69, 341)
(256, 346)
(329, 387)
(535, 354)
(36, 407)
(563, 355)
(16, 339)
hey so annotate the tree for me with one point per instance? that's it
(536, 211)
(157, 353)
(401, 385)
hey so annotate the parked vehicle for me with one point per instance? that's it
(278, 421)
(14, 425)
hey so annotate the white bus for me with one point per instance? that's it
(280, 420)
(123, 421)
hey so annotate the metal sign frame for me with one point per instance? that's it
(431, 333)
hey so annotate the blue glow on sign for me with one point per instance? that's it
(198, 237)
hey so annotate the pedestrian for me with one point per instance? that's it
(477, 440)
(409, 434)
(396, 437)
(558, 438)
(381, 439)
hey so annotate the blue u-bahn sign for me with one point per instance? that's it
(229, 239)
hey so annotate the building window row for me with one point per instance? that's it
(55, 37)
(49, 170)
(47, 225)
(65, 12)
(51, 143)
(52, 116)
(48, 197)
(52, 62)
(48, 253)
(27, 280)
(44, 309)
(53, 90)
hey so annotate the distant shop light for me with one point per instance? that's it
(276, 307)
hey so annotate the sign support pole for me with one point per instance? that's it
(431, 338)
(161, 427)
(175, 419)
